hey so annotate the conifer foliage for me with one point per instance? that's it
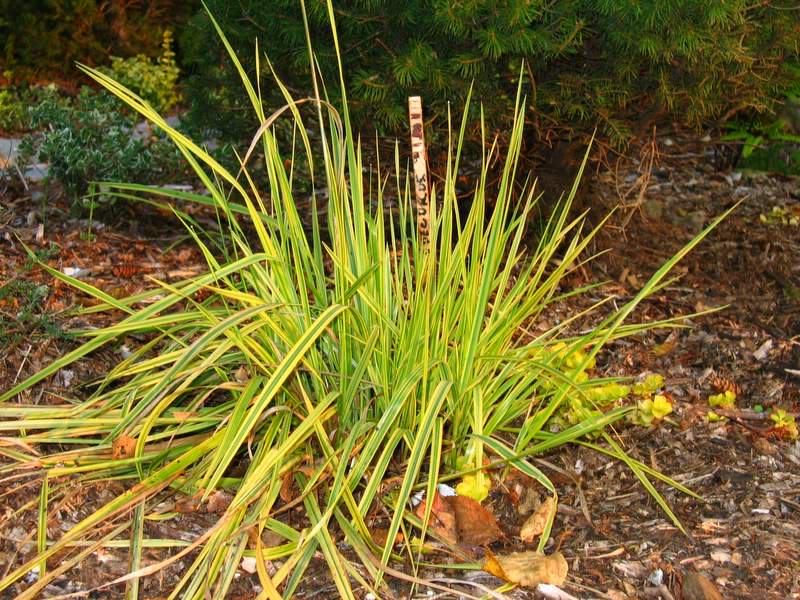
(587, 62)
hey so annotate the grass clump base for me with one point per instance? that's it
(333, 364)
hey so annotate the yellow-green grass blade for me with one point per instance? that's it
(140, 316)
(152, 398)
(435, 461)
(151, 485)
(41, 531)
(617, 453)
(34, 590)
(235, 436)
(642, 477)
(427, 424)
(333, 558)
(135, 551)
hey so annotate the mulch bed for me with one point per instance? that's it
(742, 536)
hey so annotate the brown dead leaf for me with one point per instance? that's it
(443, 519)
(242, 375)
(288, 489)
(475, 525)
(380, 535)
(123, 447)
(270, 539)
(218, 501)
(188, 504)
(699, 587)
(534, 526)
(528, 568)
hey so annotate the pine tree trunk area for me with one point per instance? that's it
(742, 536)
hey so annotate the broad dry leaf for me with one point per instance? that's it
(475, 525)
(528, 498)
(123, 447)
(380, 535)
(219, 501)
(534, 526)
(528, 568)
(699, 587)
(443, 519)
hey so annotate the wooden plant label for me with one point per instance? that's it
(419, 158)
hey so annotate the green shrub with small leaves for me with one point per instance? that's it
(92, 139)
(154, 80)
(24, 310)
(15, 103)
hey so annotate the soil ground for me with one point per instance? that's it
(741, 537)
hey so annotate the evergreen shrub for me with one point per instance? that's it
(589, 62)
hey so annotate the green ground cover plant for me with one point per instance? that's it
(16, 101)
(335, 364)
(23, 314)
(91, 138)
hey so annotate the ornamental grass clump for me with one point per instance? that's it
(333, 365)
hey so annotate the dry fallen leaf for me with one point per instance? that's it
(218, 501)
(442, 520)
(528, 568)
(630, 568)
(380, 535)
(664, 348)
(288, 490)
(534, 526)
(699, 587)
(475, 525)
(123, 447)
(242, 375)
(188, 504)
